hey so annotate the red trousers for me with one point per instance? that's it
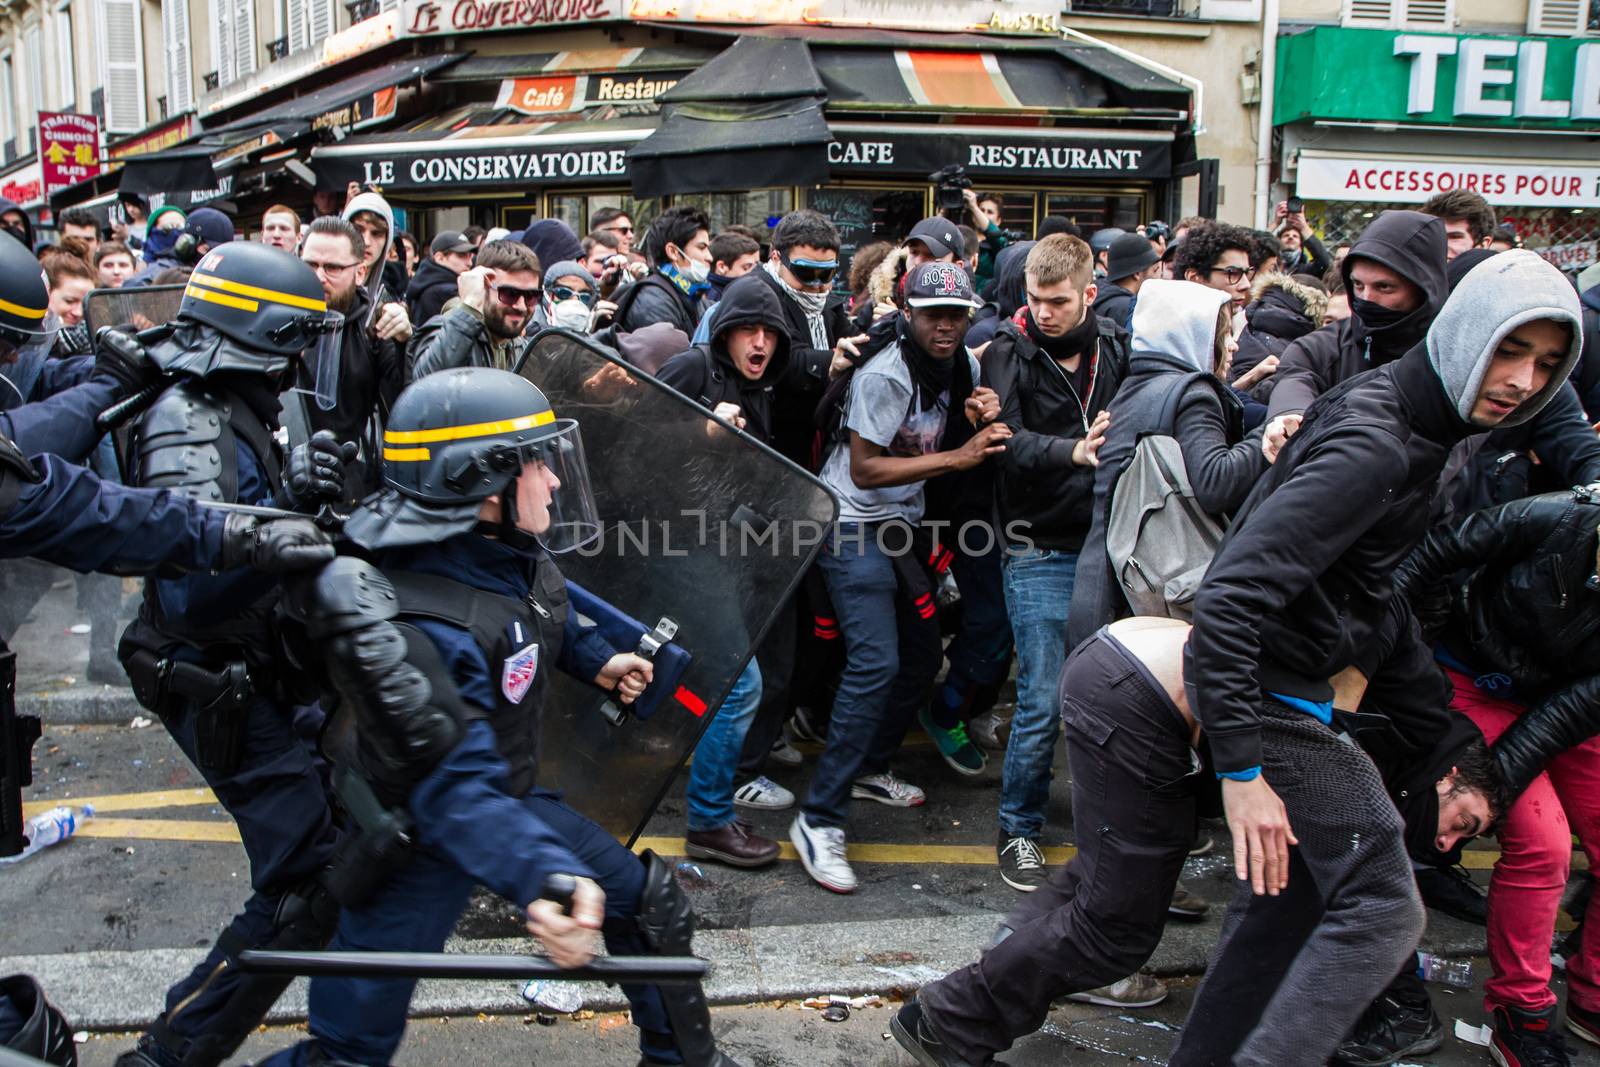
(1531, 874)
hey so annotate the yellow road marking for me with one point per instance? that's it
(164, 798)
(212, 831)
(872, 852)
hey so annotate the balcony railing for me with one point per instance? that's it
(1131, 8)
(362, 9)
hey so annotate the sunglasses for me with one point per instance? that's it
(617, 229)
(560, 292)
(811, 273)
(1234, 274)
(510, 296)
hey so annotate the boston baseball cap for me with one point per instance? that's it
(451, 241)
(940, 235)
(940, 285)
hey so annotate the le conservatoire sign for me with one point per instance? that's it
(549, 159)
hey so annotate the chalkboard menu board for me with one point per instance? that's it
(866, 215)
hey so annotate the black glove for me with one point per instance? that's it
(273, 545)
(120, 356)
(315, 473)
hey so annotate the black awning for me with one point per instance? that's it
(480, 68)
(334, 99)
(176, 169)
(753, 68)
(717, 148)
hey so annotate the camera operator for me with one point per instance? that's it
(985, 209)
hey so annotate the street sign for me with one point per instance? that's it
(69, 149)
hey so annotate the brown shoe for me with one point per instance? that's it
(735, 844)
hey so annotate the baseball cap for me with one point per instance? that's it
(211, 226)
(940, 285)
(940, 235)
(1129, 254)
(451, 241)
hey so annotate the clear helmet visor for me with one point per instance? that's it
(28, 343)
(322, 358)
(574, 516)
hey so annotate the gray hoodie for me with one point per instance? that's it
(1177, 320)
(1495, 298)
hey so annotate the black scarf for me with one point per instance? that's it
(1076, 342)
(932, 377)
(1421, 817)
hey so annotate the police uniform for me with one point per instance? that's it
(446, 713)
(203, 654)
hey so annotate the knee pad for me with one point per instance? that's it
(43, 1034)
(665, 917)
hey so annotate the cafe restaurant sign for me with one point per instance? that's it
(429, 18)
(1439, 79)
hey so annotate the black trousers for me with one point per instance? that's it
(1134, 785)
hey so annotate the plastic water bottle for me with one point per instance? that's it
(49, 827)
(1454, 973)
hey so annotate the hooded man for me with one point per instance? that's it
(1010, 290)
(373, 219)
(731, 372)
(1298, 589)
(15, 221)
(1281, 310)
(160, 242)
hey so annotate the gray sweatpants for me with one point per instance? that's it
(1292, 973)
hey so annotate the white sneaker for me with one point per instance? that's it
(885, 788)
(822, 853)
(1138, 990)
(785, 753)
(763, 793)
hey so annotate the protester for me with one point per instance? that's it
(1218, 255)
(1281, 309)
(733, 255)
(1293, 597)
(1300, 251)
(1130, 261)
(15, 221)
(80, 223)
(553, 241)
(475, 236)
(372, 217)
(280, 227)
(1468, 219)
(571, 300)
(481, 326)
(862, 265)
(1338, 297)
(679, 249)
(1264, 256)
(1009, 294)
(165, 226)
(616, 222)
(410, 254)
(435, 282)
(113, 262)
(933, 240)
(70, 280)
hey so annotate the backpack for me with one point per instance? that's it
(1158, 537)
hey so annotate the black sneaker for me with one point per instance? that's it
(1452, 891)
(911, 1030)
(1389, 1030)
(1528, 1039)
(1021, 862)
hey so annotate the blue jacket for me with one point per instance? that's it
(462, 809)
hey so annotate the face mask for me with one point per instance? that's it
(570, 315)
(1375, 316)
(160, 242)
(697, 272)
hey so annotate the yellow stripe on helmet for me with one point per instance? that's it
(461, 433)
(404, 455)
(26, 312)
(272, 296)
(222, 298)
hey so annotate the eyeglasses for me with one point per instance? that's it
(331, 270)
(561, 292)
(1235, 274)
(617, 229)
(511, 296)
(811, 273)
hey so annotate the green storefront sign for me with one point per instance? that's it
(1447, 79)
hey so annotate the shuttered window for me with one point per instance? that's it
(233, 39)
(180, 56)
(1400, 14)
(66, 67)
(121, 64)
(310, 23)
(1559, 18)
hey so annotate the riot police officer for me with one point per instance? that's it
(482, 480)
(202, 653)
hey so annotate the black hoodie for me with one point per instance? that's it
(27, 223)
(429, 290)
(1407, 242)
(1010, 293)
(706, 373)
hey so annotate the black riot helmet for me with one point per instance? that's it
(247, 307)
(25, 319)
(456, 438)
(34, 1026)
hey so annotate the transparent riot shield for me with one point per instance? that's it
(706, 534)
(135, 309)
(139, 308)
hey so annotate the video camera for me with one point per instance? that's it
(949, 186)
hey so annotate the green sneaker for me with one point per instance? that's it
(957, 749)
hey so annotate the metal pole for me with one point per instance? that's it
(1269, 77)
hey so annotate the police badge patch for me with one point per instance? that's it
(517, 677)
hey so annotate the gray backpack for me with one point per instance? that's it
(1159, 539)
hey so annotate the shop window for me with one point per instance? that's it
(1092, 211)
(865, 215)
(760, 209)
(575, 209)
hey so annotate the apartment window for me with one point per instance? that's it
(180, 56)
(233, 39)
(310, 23)
(121, 60)
(8, 100)
(66, 68)
(1400, 14)
(1563, 18)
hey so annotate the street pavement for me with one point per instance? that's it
(109, 919)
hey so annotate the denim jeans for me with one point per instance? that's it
(716, 756)
(892, 655)
(1038, 590)
(980, 652)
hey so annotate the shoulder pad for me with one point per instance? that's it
(347, 594)
(179, 442)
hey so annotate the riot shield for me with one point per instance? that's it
(706, 535)
(135, 309)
